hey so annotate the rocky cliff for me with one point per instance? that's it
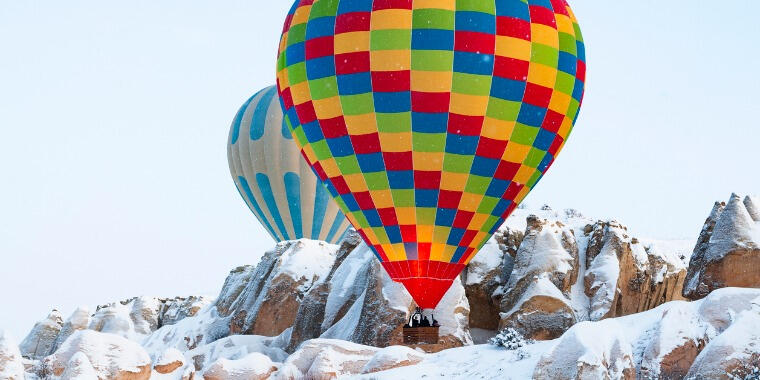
(553, 269)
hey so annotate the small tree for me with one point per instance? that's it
(512, 340)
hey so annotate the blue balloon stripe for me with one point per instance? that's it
(335, 227)
(239, 119)
(256, 208)
(266, 191)
(293, 192)
(321, 198)
(258, 123)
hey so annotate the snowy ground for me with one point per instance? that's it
(472, 362)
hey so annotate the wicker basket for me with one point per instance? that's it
(420, 335)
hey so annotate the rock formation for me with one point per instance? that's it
(487, 274)
(41, 339)
(625, 277)
(728, 250)
(535, 302)
(275, 288)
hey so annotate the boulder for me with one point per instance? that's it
(585, 353)
(169, 361)
(265, 300)
(392, 357)
(41, 339)
(253, 366)
(679, 337)
(112, 356)
(727, 253)
(735, 353)
(234, 348)
(11, 364)
(326, 359)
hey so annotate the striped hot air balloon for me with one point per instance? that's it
(430, 120)
(274, 180)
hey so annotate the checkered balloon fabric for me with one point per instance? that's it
(430, 120)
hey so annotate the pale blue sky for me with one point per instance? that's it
(114, 118)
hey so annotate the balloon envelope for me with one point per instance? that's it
(274, 180)
(430, 120)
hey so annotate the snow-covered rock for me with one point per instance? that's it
(41, 339)
(79, 320)
(677, 339)
(134, 319)
(79, 368)
(112, 356)
(189, 333)
(264, 300)
(588, 352)
(625, 276)
(536, 300)
(253, 366)
(487, 274)
(169, 361)
(567, 268)
(392, 357)
(326, 359)
(11, 364)
(728, 250)
(235, 347)
(735, 353)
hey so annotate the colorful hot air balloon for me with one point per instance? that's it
(274, 180)
(430, 120)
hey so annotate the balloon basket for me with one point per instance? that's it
(421, 335)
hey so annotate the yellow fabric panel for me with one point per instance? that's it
(471, 105)
(542, 75)
(515, 152)
(431, 81)
(396, 142)
(497, 129)
(390, 60)
(328, 108)
(391, 19)
(351, 42)
(513, 48)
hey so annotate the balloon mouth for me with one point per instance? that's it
(426, 281)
